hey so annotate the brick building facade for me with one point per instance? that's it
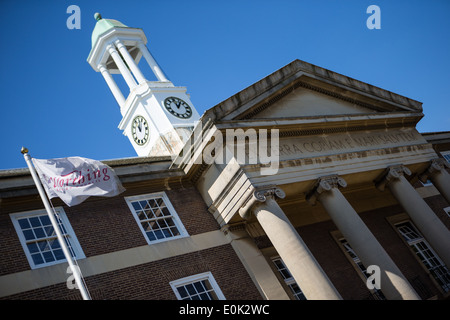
(355, 186)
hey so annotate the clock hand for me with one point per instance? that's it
(139, 126)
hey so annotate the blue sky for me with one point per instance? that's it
(56, 105)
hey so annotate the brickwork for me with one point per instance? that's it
(13, 257)
(104, 225)
(437, 204)
(342, 273)
(151, 280)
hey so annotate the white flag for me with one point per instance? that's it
(74, 179)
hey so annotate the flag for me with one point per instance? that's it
(74, 179)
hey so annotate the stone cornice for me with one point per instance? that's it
(327, 124)
(265, 92)
(300, 84)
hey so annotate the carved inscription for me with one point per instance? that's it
(340, 143)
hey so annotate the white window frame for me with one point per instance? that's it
(288, 280)
(196, 278)
(431, 257)
(446, 155)
(427, 183)
(77, 250)
(447, 210)
(362, 270)
(175, 218)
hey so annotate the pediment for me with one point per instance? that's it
(304, 102)
(301, 89)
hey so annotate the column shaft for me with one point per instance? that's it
(423, 217)
(441, 180)
(130, 62)
(393, 283)
(255, 263)
(122, 67)
(299, 260)
(112, 85)
(152, 62)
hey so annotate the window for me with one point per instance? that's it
(427, 256)
(198, 287)
(288, 279)
(446, 155)
(38, 238)
(377, 294)
(156, 217)
(427, 183)
(447, 210)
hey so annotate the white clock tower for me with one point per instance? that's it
(157, 117)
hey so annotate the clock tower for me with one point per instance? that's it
(157, 117)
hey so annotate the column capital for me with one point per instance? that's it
(390, 174)
(110, 47)
(324, 184)
(436, 166)
(118, 43)
(260, 195)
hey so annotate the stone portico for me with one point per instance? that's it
(345, 147)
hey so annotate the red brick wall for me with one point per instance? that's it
(340, 270)
(104, 225)
(13, 258)
(151, 280)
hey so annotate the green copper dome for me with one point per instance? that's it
(103, 25)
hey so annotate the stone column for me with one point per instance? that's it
(122, 67)
(254, 262)
(112, 85)
(301, 263)
(437, 173)
(420, 213)
(393, 284)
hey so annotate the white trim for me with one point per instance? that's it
(428, 183)
(78, 252)
(176, 219)
(26, 280)
(446, 155)
(195, 278)
(447, 211)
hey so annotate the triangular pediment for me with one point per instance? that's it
(301, 89)
(304, 102)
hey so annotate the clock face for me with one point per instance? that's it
(178, 107)
(140, 130)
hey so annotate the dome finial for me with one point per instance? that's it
(98, 16)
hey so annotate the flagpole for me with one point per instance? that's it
(75, 270)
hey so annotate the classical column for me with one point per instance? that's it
(112, 85)
(122, 67)
(254, 262)
(420, 213)
(130, 62)
(152, 62)
(299, 260)
(437, 173)
(393, 283)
